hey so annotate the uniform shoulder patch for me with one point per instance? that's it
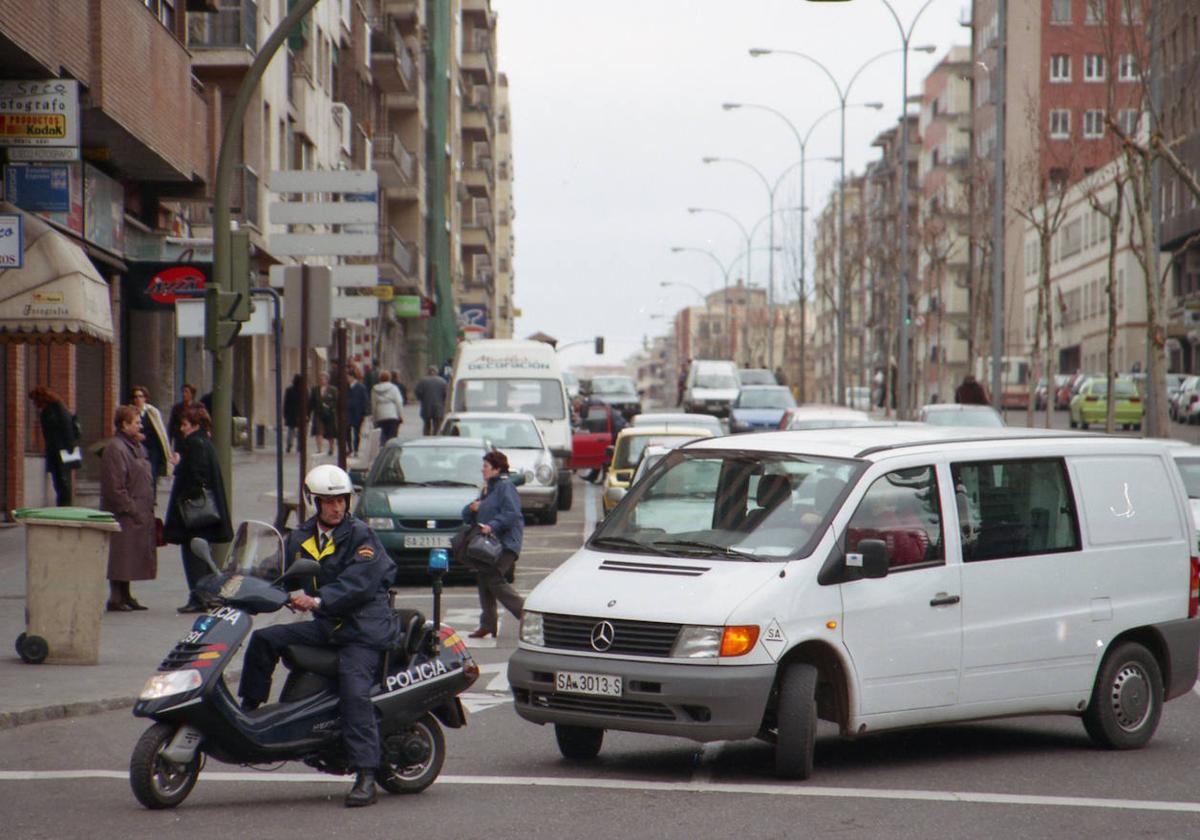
(365, 551)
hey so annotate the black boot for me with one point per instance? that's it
(363, 792)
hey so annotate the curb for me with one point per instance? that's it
(41, 714)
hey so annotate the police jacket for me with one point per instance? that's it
(352, 584)
(500, 509)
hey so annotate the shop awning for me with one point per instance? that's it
(57, 295)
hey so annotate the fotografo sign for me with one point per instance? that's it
(39, 113)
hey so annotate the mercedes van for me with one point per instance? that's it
(712, 387)
(517, 376)
(877, 578)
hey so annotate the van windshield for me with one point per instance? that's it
(716, 380)
(732, 505)
(543, 398)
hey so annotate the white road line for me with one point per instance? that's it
(810, 791)
(589, 509)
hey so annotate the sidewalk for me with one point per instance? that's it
(131, 644)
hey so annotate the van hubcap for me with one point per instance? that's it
(1131, 697)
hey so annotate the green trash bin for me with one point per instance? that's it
(66, 564)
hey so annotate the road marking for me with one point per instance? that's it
(725, 788)
(589, 509)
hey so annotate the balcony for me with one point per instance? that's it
(477, 111)
(391, 61)
(396, 165)
(477, 230)
(398, 263)
(403, 10)
(228, 38)
(478, 177)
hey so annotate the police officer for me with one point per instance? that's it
(349, 603)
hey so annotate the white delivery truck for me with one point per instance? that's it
(518, 376)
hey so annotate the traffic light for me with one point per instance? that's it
(239, 275)
(599, 345)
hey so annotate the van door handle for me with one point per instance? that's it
(944, 600)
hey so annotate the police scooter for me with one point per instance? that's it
(196, 716)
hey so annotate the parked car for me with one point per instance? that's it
(759, 408)
(954, 414)
(756, 376)
(596, 431)
(520, 439)
(618, 391)
(707, 422)
(1062, 397)
(624, 454)
(1187, 459)
(822, 417)
(1090, 404)
(414, 496)
(858, 397)
(1179, 397)
(1055, 590)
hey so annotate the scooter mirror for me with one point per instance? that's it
(302, 567)
(203, 550)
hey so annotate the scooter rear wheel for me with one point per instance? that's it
(412, 757)
(157, 782)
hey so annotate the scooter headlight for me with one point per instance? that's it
(532, 629)
(171, 682)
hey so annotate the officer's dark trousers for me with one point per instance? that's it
(357, 670)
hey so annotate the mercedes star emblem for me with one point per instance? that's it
(602, 636)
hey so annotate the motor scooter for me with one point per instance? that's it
(196, 716)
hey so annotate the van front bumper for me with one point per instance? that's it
(700, 702)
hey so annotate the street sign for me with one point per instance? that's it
(323, 213)
(358, 308)
(12, 241)
(325, 181)
(307, 288)
(189, 318)
(324, 244)
(383, 292)
(407, 306)
(340, 276)
(355, 220)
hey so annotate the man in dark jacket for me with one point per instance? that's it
(970, 392)
(349, 602)
(358, 405)
(431, 394)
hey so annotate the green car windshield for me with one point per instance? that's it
(731, 505)
(428, 466)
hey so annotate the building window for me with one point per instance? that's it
(1093, 124)
(1131, 11)
(1094, 12)
(1060, 68)
(1094, 69)
(1127, 68)
(1060, 123)
(1129, 119)
(1060, 11)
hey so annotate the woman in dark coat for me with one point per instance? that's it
(58, 431)
(127, 491)
(497, 511)
(293, 401)
(196, 470)
(322, 402)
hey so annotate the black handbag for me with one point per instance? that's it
(200, 512)
(484, 549)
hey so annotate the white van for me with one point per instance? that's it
(517, 376)
(712, 387)
(877, 578)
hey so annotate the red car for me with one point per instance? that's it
(597, 430)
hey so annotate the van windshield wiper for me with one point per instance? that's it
(723, 549)
(628, 543)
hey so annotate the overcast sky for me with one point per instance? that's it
(614, 103)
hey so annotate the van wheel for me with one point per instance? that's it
(566, 494)
(1127, 699)
(578, 743)
(796, 722)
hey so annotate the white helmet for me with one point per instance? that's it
(327, 480)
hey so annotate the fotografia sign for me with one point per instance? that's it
(11, 241)
(41, 112)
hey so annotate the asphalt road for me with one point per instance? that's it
(503, 777)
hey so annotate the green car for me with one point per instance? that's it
(1090, 404)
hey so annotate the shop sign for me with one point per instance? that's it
(39, 113)
(39, 187)
(157, 286)
(407, 306)
(473, 319)
(12, 242)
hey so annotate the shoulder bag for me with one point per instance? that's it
(200, 511)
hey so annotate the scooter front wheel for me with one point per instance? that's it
(156, 781)
(412, 757)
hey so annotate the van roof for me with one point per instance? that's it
(875, 442)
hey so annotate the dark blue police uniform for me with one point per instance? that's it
(354, 617)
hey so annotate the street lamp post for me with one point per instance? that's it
(699, 294)
(803, 143)
(843, 94)
(749, 245)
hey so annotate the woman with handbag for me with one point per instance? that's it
(497, 512)
(197, 507)
(62, 443)
(127, 491)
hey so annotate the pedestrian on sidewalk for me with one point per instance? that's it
(187, 398)
(154, 434)
(398, 381)
(386, 407)
(62, 441)
(970, 392)
(497, 511)
(127, 491)
(196, 472)
(323, 402)
(431, 394)
(358, 405)
(293, 401)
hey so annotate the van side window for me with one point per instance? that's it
(902, 509)
(1014, 508)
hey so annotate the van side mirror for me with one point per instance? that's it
(872, 555)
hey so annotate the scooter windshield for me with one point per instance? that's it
(257, 551)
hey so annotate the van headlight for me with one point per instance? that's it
(171, 682)
(532, 629)
(711, 642)
(545, 473)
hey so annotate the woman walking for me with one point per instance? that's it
(127, 491)
(293, 401)
(196, 472)
(386, 407)
(155, 434)
(58, 432)
(323, 404)
(497, 511)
